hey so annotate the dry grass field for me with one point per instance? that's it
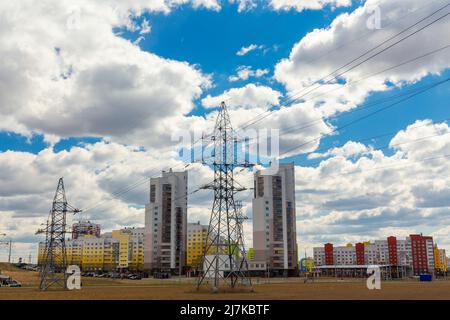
(289, 289)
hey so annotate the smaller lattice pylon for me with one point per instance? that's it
(54, 263)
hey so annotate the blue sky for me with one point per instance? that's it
(210, 40)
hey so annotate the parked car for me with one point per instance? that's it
(3, 280)
(6, 281)
(13, 283)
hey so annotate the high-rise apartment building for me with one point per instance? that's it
(274, 220)
(166, 223)
(136, 247)
(196, 239)
(422, 250)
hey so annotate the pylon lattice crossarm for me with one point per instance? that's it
(224, 260)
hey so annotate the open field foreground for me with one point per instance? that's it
(289, 289)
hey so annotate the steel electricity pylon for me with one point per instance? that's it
(224, 263)
(54, 264)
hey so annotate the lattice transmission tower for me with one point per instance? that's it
(224, 263)
(54, 265)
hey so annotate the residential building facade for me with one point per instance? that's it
(166, 223)
(440, 260)
(250, 254)
(415, 252)
(196, 239)
(274, 220)
(119, 250)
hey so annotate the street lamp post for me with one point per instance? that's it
(9, 244)
(9, 254)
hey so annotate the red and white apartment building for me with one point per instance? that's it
(415, 253)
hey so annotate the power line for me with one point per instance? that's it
(350, 83)
(375, 54)
(382, 135)
(264, 114)
(119, 193)
(364, 35)
(355, 171)
(346, 44)
(381, 167)
(388, 166)
(378, 136)
(366, 116)
(409, 94)
(361, 108)
(196, 189)
(120, 196)
(388, 146)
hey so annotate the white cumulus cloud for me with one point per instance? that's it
(66, 73)
(246, 72)
(343, 200)
(250, 96)
(300, 5)
(322, 51)
(244, 50)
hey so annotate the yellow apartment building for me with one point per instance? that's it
(250, 254)
(118, 250)
(124, 244)
(440, 259)
(196, 237)
(74, 252)
(93, 252)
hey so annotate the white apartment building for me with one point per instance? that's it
(342, 255)
(403, 252)
(166, 223)
(416, 252)
(274, 220)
